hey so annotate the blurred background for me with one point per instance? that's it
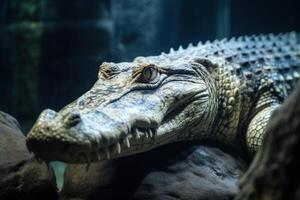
(50, 50)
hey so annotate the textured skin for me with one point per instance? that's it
(224, 91)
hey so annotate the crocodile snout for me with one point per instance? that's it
(48, 114)
(57, 132)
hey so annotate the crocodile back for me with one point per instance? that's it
(257, 60)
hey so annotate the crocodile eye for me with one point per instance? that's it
(149, 74)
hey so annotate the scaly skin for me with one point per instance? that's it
(224, 91)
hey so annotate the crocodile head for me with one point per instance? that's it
(133, 107)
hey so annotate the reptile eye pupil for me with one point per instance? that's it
(149, 74)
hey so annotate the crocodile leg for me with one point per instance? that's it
(257, 126)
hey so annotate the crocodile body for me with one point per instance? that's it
(223, 90)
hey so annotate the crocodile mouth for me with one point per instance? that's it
(143, 136)
(104, 134)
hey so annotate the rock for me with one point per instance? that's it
(21, 176)
(274, 173)
(204, 173)
(12, 141)
(177, 171)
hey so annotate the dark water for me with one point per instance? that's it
(50, 50)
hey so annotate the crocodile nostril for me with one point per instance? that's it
(72, 120)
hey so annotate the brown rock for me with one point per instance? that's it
(21, 176)
(274, 173)
(178, 171)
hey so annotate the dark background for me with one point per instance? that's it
(50, 50)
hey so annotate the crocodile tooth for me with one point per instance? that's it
(150, 133)
(127, 142)
(146, 135)
(107, 152)
(136, 133)
(141, 133)
(118, 148)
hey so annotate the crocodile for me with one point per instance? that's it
(224, 91)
